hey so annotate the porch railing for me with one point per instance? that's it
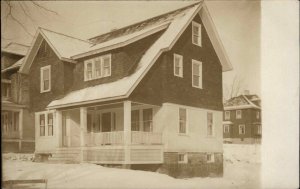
(117, 138)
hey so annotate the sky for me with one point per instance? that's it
(237, 22)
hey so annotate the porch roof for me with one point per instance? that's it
(9, 104)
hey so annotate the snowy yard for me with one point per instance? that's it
(241, 170)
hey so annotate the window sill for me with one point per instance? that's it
(45, 91)
(183, 134)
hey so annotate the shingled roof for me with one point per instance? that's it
(242, 102)
(15, 48)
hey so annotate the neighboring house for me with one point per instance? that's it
(148, 95)
(242, 119)
(17, 125)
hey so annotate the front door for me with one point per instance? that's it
(106, 122)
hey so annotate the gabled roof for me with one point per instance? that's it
(15, 48)
(242, 102)
(16, 65)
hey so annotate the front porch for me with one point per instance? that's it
(119, 133)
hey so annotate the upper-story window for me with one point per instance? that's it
(182, 121)
(6, 89)
(178, 65)
(196, 34)
(227, 115)
(210, 124)
(197, 74)
(239, 114)
(45, 79)
(97, 67)
(257, 115)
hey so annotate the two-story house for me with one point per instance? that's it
(17, 126)
(242, 119)
(145, 95)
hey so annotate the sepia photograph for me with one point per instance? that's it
(135, 94)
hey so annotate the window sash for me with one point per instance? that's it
(197, 74)
(238, 114)
(98, 67)
(45, 79)
(196, 34)
(178, 65)
(227, 115)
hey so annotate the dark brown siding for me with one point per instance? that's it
(170, 88)
(9, 59)
(38, 100)
(124, 60)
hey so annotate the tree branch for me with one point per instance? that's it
(42, 7)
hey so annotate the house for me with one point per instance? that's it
(145, 96)
(242, 119)
(16, 123)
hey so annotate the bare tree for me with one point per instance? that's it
(234, 89)
(12, 8)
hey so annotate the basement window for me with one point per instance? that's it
(210, 158)
(182, 158)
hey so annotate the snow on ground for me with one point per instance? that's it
(241, 170)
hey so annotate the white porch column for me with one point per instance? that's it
(20, 129)
(58, 128)
(83, 129)
(127, 130)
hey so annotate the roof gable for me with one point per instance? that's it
(240, 102)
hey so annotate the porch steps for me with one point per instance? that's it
(65, 155)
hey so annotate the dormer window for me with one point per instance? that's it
(196, 34)
(97, 67)
(45, 79)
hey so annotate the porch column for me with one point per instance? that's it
(20, 129)
(83, 129)
(58, 128)
(127, 130)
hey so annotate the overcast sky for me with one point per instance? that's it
(237, 22)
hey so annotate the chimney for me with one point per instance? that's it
(246, 92)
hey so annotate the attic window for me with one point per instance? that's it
(196, 34)
(45, 79)
(98, 67)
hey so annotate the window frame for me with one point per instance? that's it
(199, 63)
(226, 130)
(236, 114)
(180, 74)
(212, 157)
(46, 124)
(227, 116)
(42, 90)
(185, 158)
(257, 115)
(212, 125)
(186, 121)
(198, 35)
(93, 61)
(240, 126)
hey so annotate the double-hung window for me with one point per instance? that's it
(197, 74)
(242, 129)
(196, 34)
(45, 121)
(45, 79)
(42, 125)
(97, 67)
(210, 124)
(182, 121)
(178, 65)
(239, 114)
(226, 128)
(227, 115)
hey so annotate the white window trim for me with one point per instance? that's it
(212, 158)
(94, 67)
(180, 65)
(227, 115)
(213, 125)
(199, 34)
(242, 125)
(201, 78)
(37, 124)
(226, 126)
(236, 115)
(186, 122)
(185, 158)
(42, 78)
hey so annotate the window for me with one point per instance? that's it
(242, 129)
(182, 121)
(227, 115)
(257, 115)
(196, 34)
(97, 67)
(50, 124)
(135, 120)
(178, 65)
(45, 79)
(147, 120)
(226, 128)
(197, 74)
(239, 114)
(258, 129)
(5, 88)
(210, 124)
(42, 125)
(182, 158)
(46, 124)
(210, 158)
